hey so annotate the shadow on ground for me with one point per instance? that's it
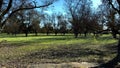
(71, 53)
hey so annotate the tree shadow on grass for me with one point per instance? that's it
(69, 53)
(65, 53)
(113, 63)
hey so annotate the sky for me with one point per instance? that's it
(59, 6)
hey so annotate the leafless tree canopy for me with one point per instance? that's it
(9, 7)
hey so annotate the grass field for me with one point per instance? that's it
(56, 49)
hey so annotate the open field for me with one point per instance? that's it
(56, 49)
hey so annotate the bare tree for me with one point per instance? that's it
(35, 19)
(12, 25)
(112, 63)
(79, 11)
(47, 24)
(62, 23)
(9, 7)
(35, 26)
(94, 25)
(55, 23)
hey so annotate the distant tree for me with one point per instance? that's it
(62, 23)
(79, 11)
(24, 21)
(35, 21)
(55, 23)
(12, 25)
(35, 27)
(94, 26)
(56, 28)
(48, 27)
(27, 22)
(47, 24)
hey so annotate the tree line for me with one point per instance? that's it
(20, 16)
(29, 22)
(80, 18)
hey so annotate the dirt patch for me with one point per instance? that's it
(52, 65)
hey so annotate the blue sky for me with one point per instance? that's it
(59, 6)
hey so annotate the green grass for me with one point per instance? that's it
(56, 49)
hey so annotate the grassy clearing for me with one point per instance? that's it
(56, 49)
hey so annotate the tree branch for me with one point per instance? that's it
(7, 10)
(26, 8)
(1, 2)
(114, 7)
(118, 10)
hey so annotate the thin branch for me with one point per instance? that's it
(27, 8)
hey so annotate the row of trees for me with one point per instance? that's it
(80, 17)
(23, 22)
(55, 23)
(29, 22)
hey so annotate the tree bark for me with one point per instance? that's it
(26, 34)
(76, 35)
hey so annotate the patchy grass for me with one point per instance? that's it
(56, 49)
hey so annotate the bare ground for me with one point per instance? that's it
(52, 65)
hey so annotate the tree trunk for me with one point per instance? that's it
(26, 34)
(114, 35)
(35, 33)
(47, 33)
(64, 33)
(114, 32)
(76, 32)
(55, 34)
(76, 35)
(85, 33)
